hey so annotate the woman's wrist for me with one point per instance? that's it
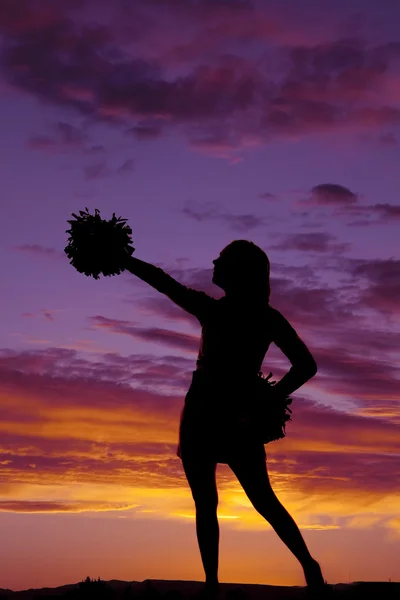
(129, 262)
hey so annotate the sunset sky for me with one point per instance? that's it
(201, 122)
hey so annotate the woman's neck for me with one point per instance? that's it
(246, 298)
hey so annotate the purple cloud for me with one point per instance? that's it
(268, 196)
(41, 251)
(223, 101)
(143, 131)
(386, 211)
(126, 167)
(383, 277)
(97, 171)
(174, 339)
(210, 212)
(64, 136)
(333, 194)
(388, 139)
(311, 242)
(44, 312)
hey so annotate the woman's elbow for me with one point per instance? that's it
(308, 367)
(311, 368)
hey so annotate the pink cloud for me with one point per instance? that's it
(46, 313)
(152, 334)
(311, 242)
(383, 276)
(40, 250)
(65, 136)
(217, 148)
(386, 211)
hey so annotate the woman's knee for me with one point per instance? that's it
(253, 477)
(267, 505)
(205, 495)
(206, 505)
(202, 483)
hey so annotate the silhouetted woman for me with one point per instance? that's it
(237, 330)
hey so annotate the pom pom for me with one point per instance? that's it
(98, 246)
(272, 412)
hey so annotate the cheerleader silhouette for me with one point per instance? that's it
(237, 330)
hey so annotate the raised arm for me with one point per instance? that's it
(193, 301)
(303, 367)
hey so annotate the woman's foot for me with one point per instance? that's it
(210, 590)
(317, 588)
(313, 575)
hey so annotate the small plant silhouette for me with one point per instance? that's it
(94, 588)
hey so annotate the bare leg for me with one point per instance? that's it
(253, 476)
(200, 474)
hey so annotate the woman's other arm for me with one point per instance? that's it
(193, 301)
(303, 363)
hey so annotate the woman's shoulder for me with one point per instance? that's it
(272, 311)
(275, 317)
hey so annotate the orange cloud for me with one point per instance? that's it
(103, 445)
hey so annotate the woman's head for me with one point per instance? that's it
(242, 268)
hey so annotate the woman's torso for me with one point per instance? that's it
(234, 340)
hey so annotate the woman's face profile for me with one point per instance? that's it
(223, 268)
(217, 274)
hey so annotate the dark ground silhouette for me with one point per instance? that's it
(182, 590)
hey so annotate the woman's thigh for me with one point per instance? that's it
(252, 474)
(200, 471)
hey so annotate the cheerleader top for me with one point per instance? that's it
(235, 334)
